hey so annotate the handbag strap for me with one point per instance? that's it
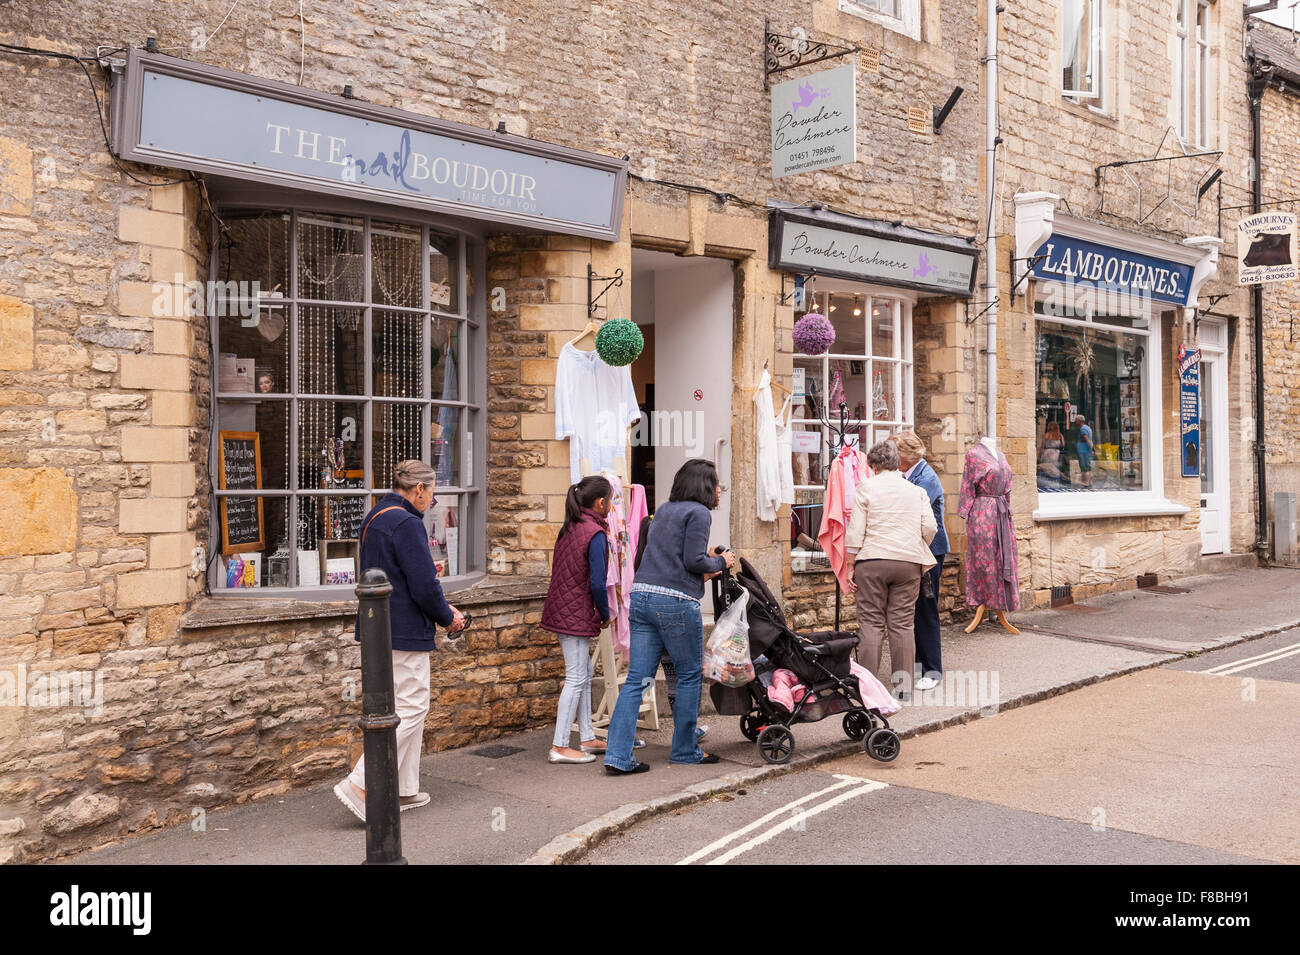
(394, 507)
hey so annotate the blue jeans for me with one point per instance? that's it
(660, 623)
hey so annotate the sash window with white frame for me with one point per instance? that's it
(1082, 50)
(359, 350)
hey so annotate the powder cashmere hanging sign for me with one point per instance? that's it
(171, 112)
(814, 122)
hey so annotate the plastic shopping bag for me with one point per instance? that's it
(726, 655)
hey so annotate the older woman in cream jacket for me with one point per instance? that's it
(888, 539)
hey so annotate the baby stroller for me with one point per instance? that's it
(819, 660)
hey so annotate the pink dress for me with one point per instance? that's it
(847, 471)
(992, 561)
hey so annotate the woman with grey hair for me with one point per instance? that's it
(888, 539)
(395, 540)
(914, 467)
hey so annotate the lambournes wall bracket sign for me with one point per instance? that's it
(171, 112)
(869, 250)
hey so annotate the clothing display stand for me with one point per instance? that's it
(614, 672)
(837, 445)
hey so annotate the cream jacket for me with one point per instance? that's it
(891, 520)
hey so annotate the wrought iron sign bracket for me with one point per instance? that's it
(781, 53)
(1033, 260)
(593, 298)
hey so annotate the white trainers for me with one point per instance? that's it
(926, 683)
(348, 796)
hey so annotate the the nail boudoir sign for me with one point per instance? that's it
(171, 112)
(869, 250)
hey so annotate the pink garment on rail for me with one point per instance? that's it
(620, 629)
(874, 693)
(848, 470)
(618, 566)
(786, 689)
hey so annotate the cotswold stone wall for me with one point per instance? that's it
(1280, 119)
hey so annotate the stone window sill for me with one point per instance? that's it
(224, 611)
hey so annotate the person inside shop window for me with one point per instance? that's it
(1051, 456)
(1084, 447)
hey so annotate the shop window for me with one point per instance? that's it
(1098, 417)
(901, 16)
(867, 375)
(1082, 50)
(358, 351)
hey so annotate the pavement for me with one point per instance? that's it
(503, 803)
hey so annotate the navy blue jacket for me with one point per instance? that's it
(398, 544)
(676, 555)
(923, 476)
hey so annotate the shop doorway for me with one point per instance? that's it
(1215, 499)
(684, 307)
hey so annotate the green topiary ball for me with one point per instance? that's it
(619, 342)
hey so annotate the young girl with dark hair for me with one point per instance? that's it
(577, 609)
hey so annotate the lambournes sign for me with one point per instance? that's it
(171, 112)
(865, 250)
(1266, 248)
(1063, 258)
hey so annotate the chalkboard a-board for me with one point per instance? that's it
(239, 463)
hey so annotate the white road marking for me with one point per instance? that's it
(1249, 663)
(794, 821)
(715, 846)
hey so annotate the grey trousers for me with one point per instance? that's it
(886, 598)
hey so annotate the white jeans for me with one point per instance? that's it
(576, 694)
(411, 692)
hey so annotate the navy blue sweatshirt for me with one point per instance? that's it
(677, 552)
(596, 551)
(397, 543)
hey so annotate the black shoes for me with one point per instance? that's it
(639, 768)
(711, 759)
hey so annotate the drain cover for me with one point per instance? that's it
(496, 751)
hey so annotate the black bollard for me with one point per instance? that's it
(379, 721)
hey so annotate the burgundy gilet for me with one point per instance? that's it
(569, 608)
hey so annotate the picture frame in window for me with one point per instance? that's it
(857, 369)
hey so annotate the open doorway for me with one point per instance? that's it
(683, 380)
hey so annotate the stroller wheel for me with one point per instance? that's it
(750, 724)
(857, 724)
(883, 744)
(776, 744)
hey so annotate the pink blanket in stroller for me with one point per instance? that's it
(874, 693)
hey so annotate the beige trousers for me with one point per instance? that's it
(411, 694)
(886, 598)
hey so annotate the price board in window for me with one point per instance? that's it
(239, 467)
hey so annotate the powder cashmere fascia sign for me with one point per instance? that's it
(175, 113)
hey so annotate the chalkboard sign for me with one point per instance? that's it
(239, 465)
(348, 512)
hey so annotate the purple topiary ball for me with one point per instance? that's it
(814, 334)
